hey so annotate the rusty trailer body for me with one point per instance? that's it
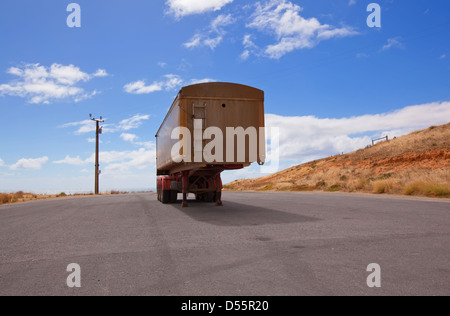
(198, 109)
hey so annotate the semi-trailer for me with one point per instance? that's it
(210, 128)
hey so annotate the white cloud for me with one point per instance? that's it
(128, 137)
(68, 75)
(245, 54)
(213, 36)
(115, 161)
(221, 21)
(101, 73)
(140, 87)
(203, 40)
(77, 161)
(282, 19)
(443, 56)
(139, 159)
(40, 84)
(393, 43)
(162, 64)
(328, 34)
(181, 8)
(195, 41)
(29, 164)
(109, 157)
(248, 42)
(132, 123)
(93, 140)
(351, 2)
(250, 47)
(122, 161)
(86, 126)
(307, 138)
(2, 163)
(212, 43)
(172, 82)
(132, 138)
(169, 83)
(198, 81)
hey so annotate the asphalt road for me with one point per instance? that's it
(257, 244)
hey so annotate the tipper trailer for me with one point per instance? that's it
(210, 128)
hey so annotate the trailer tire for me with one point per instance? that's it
(173, 196)
(166, 197)
(210, 197)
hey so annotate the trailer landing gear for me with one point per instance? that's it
(185, 188)
(219, 187)
(219, 198)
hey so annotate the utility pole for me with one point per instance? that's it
(98, 131)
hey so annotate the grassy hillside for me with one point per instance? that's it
(416, 164)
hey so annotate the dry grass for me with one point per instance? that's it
(428, 189)
(9, 198)
(18, 197)
(115, 192)
(416, 164)
(383, 187)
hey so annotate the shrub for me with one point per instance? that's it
(335, 188)
(385, 176)
(427, 189)
(20, 194)
(382, 187)
(320, 184)
(301, 188)
(268, 187)
(362, 183)
(4, 198)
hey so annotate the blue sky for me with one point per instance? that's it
(331, 82)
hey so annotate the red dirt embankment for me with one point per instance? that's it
(416, 164)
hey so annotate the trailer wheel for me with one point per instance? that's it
(173, 196)
(166, 197)
(210, 197)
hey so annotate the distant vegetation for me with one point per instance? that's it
(417, 164)
(10, 198)
(7, 198)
